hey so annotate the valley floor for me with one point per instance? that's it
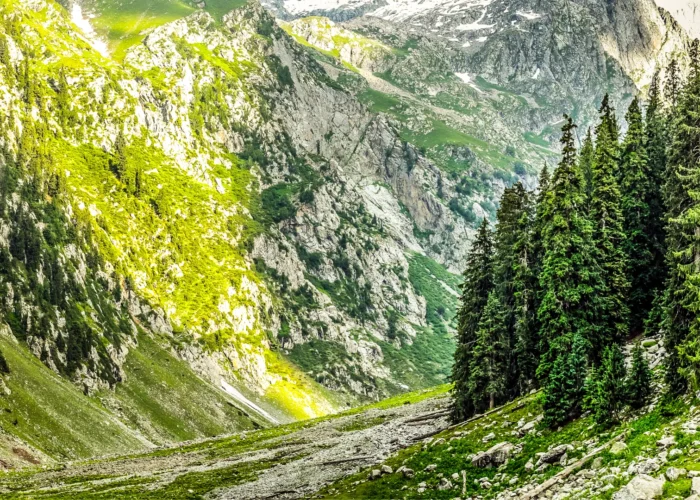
(289, 461)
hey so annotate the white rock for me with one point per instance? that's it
(641, 487)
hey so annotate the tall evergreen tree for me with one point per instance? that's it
(680, 191)
(673, 83)
(611, 312)
(565, 277)
(608, 386)
(586, 160)
(514, 281)
(656, 141)
(525, 288)
(683, 286)
(639, 379)
(477, 285)
(488, 367)
(565, 386)
(637, 191)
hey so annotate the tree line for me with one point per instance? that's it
(607, 249)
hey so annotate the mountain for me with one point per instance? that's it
(211, 221)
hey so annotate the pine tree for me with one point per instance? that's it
(611, 312)
(513, 278)
(487, 373)
(683, 236)
(608, 386)
(564, 389)
(656, 140)
(586, 160)
(673, 84)
(639, 379)
(636, 186)
(478, 283)
(566, 273)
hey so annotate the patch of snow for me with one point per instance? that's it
(476, 25)
(236, 394)
(464, 77)
(482, 39)
(530, 16)
(537, 74)
(76, 16)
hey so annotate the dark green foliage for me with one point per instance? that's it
(683, 255)
(564, 389)
(478, 283)
(566, 275)
(277, 203)
(488, 365)
(606, 386)
(611, 312)
(656, 141)
(639, 379)
(586, 160)
(637, 188)
(515, 286)
(4, 367)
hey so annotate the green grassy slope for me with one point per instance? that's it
(125, 22)
(164, 399)
(161, 401)
(52, 415)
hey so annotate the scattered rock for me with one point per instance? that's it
(529, 465)
(385, 469)
(489, 437)
(430, 468)
(375, 474)
(674, 453)
(408, 473)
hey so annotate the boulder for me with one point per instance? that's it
(375, 474)
(666, 442)
(618, 447)
(494, 456)
(554, 455)
(489, 437)
(644, 467)
(408, 473)
(695, 486)
(641, 487)
(386, 469)
(672, 473)
(445, 484)
(431, 468)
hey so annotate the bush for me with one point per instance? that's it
(277, 203)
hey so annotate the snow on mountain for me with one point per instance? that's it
(686, 12)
